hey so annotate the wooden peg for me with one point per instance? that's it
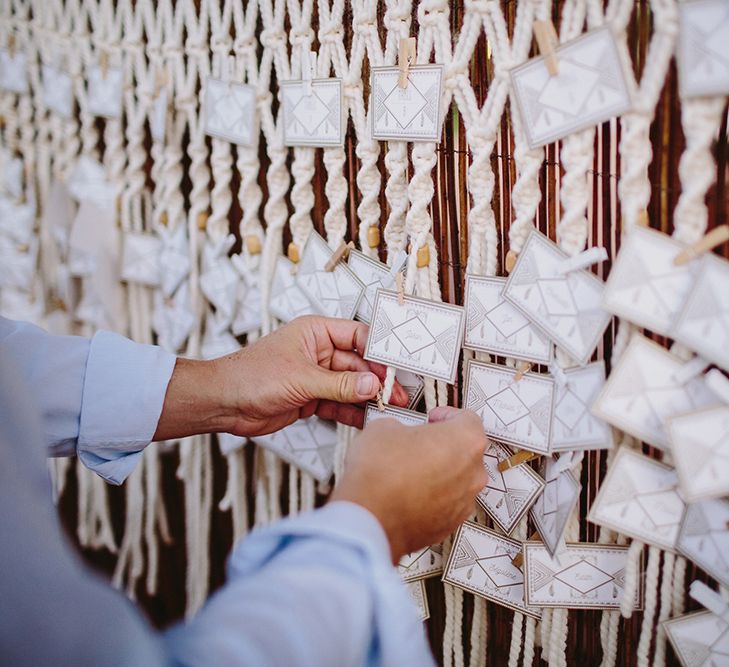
(547, 42)
(423, 256)
(253, 244)
(104, 63)
(714, 238)
(522, 456)
(339, 254)
(11, 45)
(202, 220)
(380, 403)
(373, 236)
(510, 261)
(164, 219)
(518, 560)
(400, 288)
(522, 368)
(405, 58)
(292, 253)
(643, 220)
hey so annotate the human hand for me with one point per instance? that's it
(420, 482)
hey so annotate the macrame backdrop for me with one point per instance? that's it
(164, 536)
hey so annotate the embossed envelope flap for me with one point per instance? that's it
(704, 537)
(584, 576)
(700, 639)
(406, 417)
(421, 564)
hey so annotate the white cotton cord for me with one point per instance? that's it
(308, 492)
(130, 563)
(545, 632)
(679, 587)
(632, 574)
(235, 498)
(530, 627)
(260, 517)
(273, 480)
(517, 628)
(293, 491)
(649, 610)
(664, 611)
(479, 633)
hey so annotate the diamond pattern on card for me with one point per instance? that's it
(518, 413)
(57, 91)
(314, 119)
(230, 111)
(589, 88)
(481, 562)
(406, 417)
(553, 506)
(700, 639)
(105, 91)
(642, 392)
(412, 113)
(704, 537)
(421, 564)
(568, 309)
(287, 301)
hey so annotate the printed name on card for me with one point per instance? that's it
(703, 66)
(57, 91)
(421, 564)
(516, 412)
(334, 293)
(584, 576)
(480, 562)
(412, 113)
(640, 498)
(307, 444)
(416, 591)
(14, 71)
(566, 306)
(589, 88)
(700, 639)
(420, 335)
(313, 116)
(493, 325)
(508, 495)
(229, 110)
(404, 416)
(574, 427)
(644, 285)
(704, 537)
(374, 275)
(105, 91)
(646, 388)
(287, 301)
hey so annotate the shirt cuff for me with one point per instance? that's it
(123, 394)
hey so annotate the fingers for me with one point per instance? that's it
(351, 361)
(349, 415)
(344, 386)
(346, 334)
(442, 414)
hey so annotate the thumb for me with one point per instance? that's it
(345, 386)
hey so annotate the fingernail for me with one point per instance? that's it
(367, 384)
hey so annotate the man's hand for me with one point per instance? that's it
(312, 365)
(420, 482)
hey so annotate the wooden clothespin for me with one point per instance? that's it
(11, 45)
(521, 368)
(164, 219)
(714, 238)
(380, 402)
(253, 244)
(339, 254)
(104, 63)
(292, 252)
(405, 58)
(202, 220)
(547, 42)
(510, 261)
(518, 560)
(400, 288)
(522, 456)
(643, 220)
(308, 69)
(373, 236)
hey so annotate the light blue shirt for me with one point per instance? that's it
(317, 590)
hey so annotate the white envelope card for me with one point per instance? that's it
(374, 275)
(174, 257)
(495, 326)
(567, 307)
(420, 335)
(704, 537)
(413, 384)
(17, 221)
(140, 258)
(173, 319)
(508, 495)
(584, 576)
(481, 562)
(19, 263)
(287, 301)
(230, 110)
(639, 497)
(421, 564)
(105, 91)
(518, 413)
(248, 316)
(334, 293)
(700, 639)
(703, 323)
(406, 417)
(703, 35)
(645, 389)
(416, 591)
(574, 427)
(313, 116)
(307, 444)
(57, 91)
(14, 71)
(589, 88)
(644, 285)
(412, 113)
(219, 283)
(217, 340)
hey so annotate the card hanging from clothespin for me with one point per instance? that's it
(547, 42)
(522, 456)
(398, 264)
(522, 368)
(308, 69)
(339, 254)
(583, 260)
(518, 560)
(405, 58)
(715, 237)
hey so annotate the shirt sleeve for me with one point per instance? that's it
(316, 590)
(100, 399)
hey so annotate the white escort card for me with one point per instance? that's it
(230, 110)
(704, 537)
(567, 307)
(421, 564)
(508, 495)
(493, 325)
(645, 389)
(313, 116)
(217, 341)
(413, 384)
(420, 335)
(219, 279)
(584, 576)
(518, 413)
(703, 323)
(140, 258)
(416, 591)
(174, 257)
(700, 639)
(481, 562)
(57, 91)
(412, 113)
(703, 66)
(173, 319)
(574, 427)
(700, 447)
(307, 444)
(287, 301)
(14, 71)
(406, 417)
(589, 88)
(105, 91)
(334, 293)
(249, 313)
(374, 275)
(644, 285)
(640, 498)
(551, 511)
